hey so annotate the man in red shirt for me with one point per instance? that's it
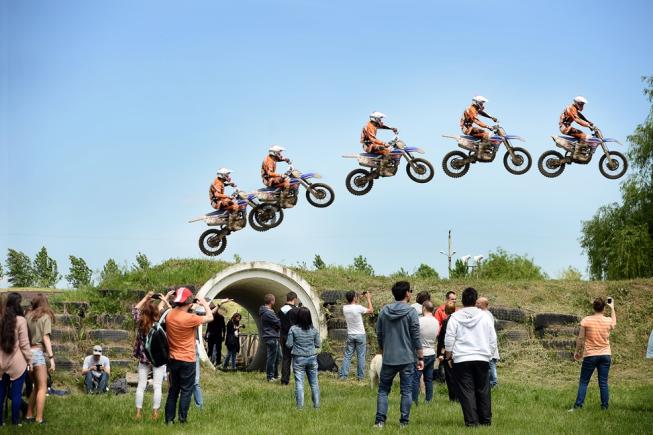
(181, 325)
(440, 315)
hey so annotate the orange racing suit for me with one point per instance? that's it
(270, 177)
(570, 115)
(370, 143)
(469, 118)
(219, 200)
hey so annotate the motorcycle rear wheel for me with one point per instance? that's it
(451, 165)
(423, 173)
(523, 164)
(359, 182)
(621, 165)
(547, 161)
(212, 243)
(265, 216)
(320, 195)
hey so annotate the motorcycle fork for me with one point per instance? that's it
(409, 159)
(607, 153)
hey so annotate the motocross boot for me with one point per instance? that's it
(480, 154)
(231, 221)
(579, 151)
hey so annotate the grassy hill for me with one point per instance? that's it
(633, 300)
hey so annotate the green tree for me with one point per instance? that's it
(20, 272)
(2, 272)
(45, 269)
(318, 263)
(427, 272)
(142, 262)
(110, 271)
(570, 274)
(361, 265)
(459, 270)
(618, 240)
(503, 265)
(79, 274)
(401, 273)
(237, 258)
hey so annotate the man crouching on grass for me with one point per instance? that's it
(397, 332)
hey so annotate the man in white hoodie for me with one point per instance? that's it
(470, 343)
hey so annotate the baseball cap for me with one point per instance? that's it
(182, 294)
(97, 350)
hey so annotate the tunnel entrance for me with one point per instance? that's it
(246, 283)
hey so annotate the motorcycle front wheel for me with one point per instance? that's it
(520, 164)
(422, 172)
(453, 164)
(359, 182)
(265, 216)
(551, 164)
(212, 242)
(320, 195)
(618, 167)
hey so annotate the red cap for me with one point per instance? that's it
(182, 295)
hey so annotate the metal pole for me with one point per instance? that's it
(449, 254)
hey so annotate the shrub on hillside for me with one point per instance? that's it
(425, 271)
(570, 274)
(503, 265)
(459, 270)
(361, 265)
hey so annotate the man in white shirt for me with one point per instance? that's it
(469, 343)
(356, 338)
(428, 333)
(484, 305)
(96, 370)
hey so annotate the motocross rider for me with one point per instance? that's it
(268, 174)
(219, 200)
(571, 114)
(368, 136)
(470, 117)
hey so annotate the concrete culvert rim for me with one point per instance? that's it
(247, 283)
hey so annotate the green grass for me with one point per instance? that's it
(244, 403)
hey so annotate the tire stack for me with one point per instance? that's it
(557, 333)
(512, 324)
(332, 301)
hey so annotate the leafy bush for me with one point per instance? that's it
(426, 272)
(318, 263)
(361, 265)
(570, 274)
(503, 265)
(459, 270)
(142, 262)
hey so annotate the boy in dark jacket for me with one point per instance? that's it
(397, 332)
(270, 326)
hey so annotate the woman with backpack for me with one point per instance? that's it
(146, 313)
(232, 341)
(15, 356)
(39, 323)
(304, 342)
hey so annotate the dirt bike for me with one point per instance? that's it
(269, 212)
(612, 164)
(213, 242)
(516, 160)
(267, 218)
(360, 181)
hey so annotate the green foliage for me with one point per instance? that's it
(20, 271)
(110, 273)
(2, 272)
(318, 263)
(459, 270)
(142, 262)
(570, 274)
(45, 269)
(503, 265)
(79, 274)
(401, 273)
(237, 258)
(361, 265)
(425, 271)
(618, 240)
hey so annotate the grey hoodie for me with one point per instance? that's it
(397, 332)
(470, 335)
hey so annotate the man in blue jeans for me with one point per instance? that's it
(356, 338)
(397, 332)
(428, 332)
(270, 327)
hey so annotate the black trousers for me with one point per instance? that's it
(215, 343)
(182, 380)
(286, 360)
(450, 379)
(473, 389)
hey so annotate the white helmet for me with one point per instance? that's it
(377, 117)
(224, 174)
(479, 101)
(580, 100)
(276, 150)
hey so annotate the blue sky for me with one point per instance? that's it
(115, 115)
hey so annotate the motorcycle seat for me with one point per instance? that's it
(472, 138)
(217, 213)
(372, 155)
(568, 138)
(268, 189)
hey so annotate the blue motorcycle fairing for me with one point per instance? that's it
(251, 197)
(473, 138)
(308, 175)
(242, 202)
(411, 149)
(569, 138)
(609, 139)
(512, 136)
(371, 155)
(593, 140)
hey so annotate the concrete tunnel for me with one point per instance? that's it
(246, 283)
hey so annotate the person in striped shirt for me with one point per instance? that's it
(593, 345)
